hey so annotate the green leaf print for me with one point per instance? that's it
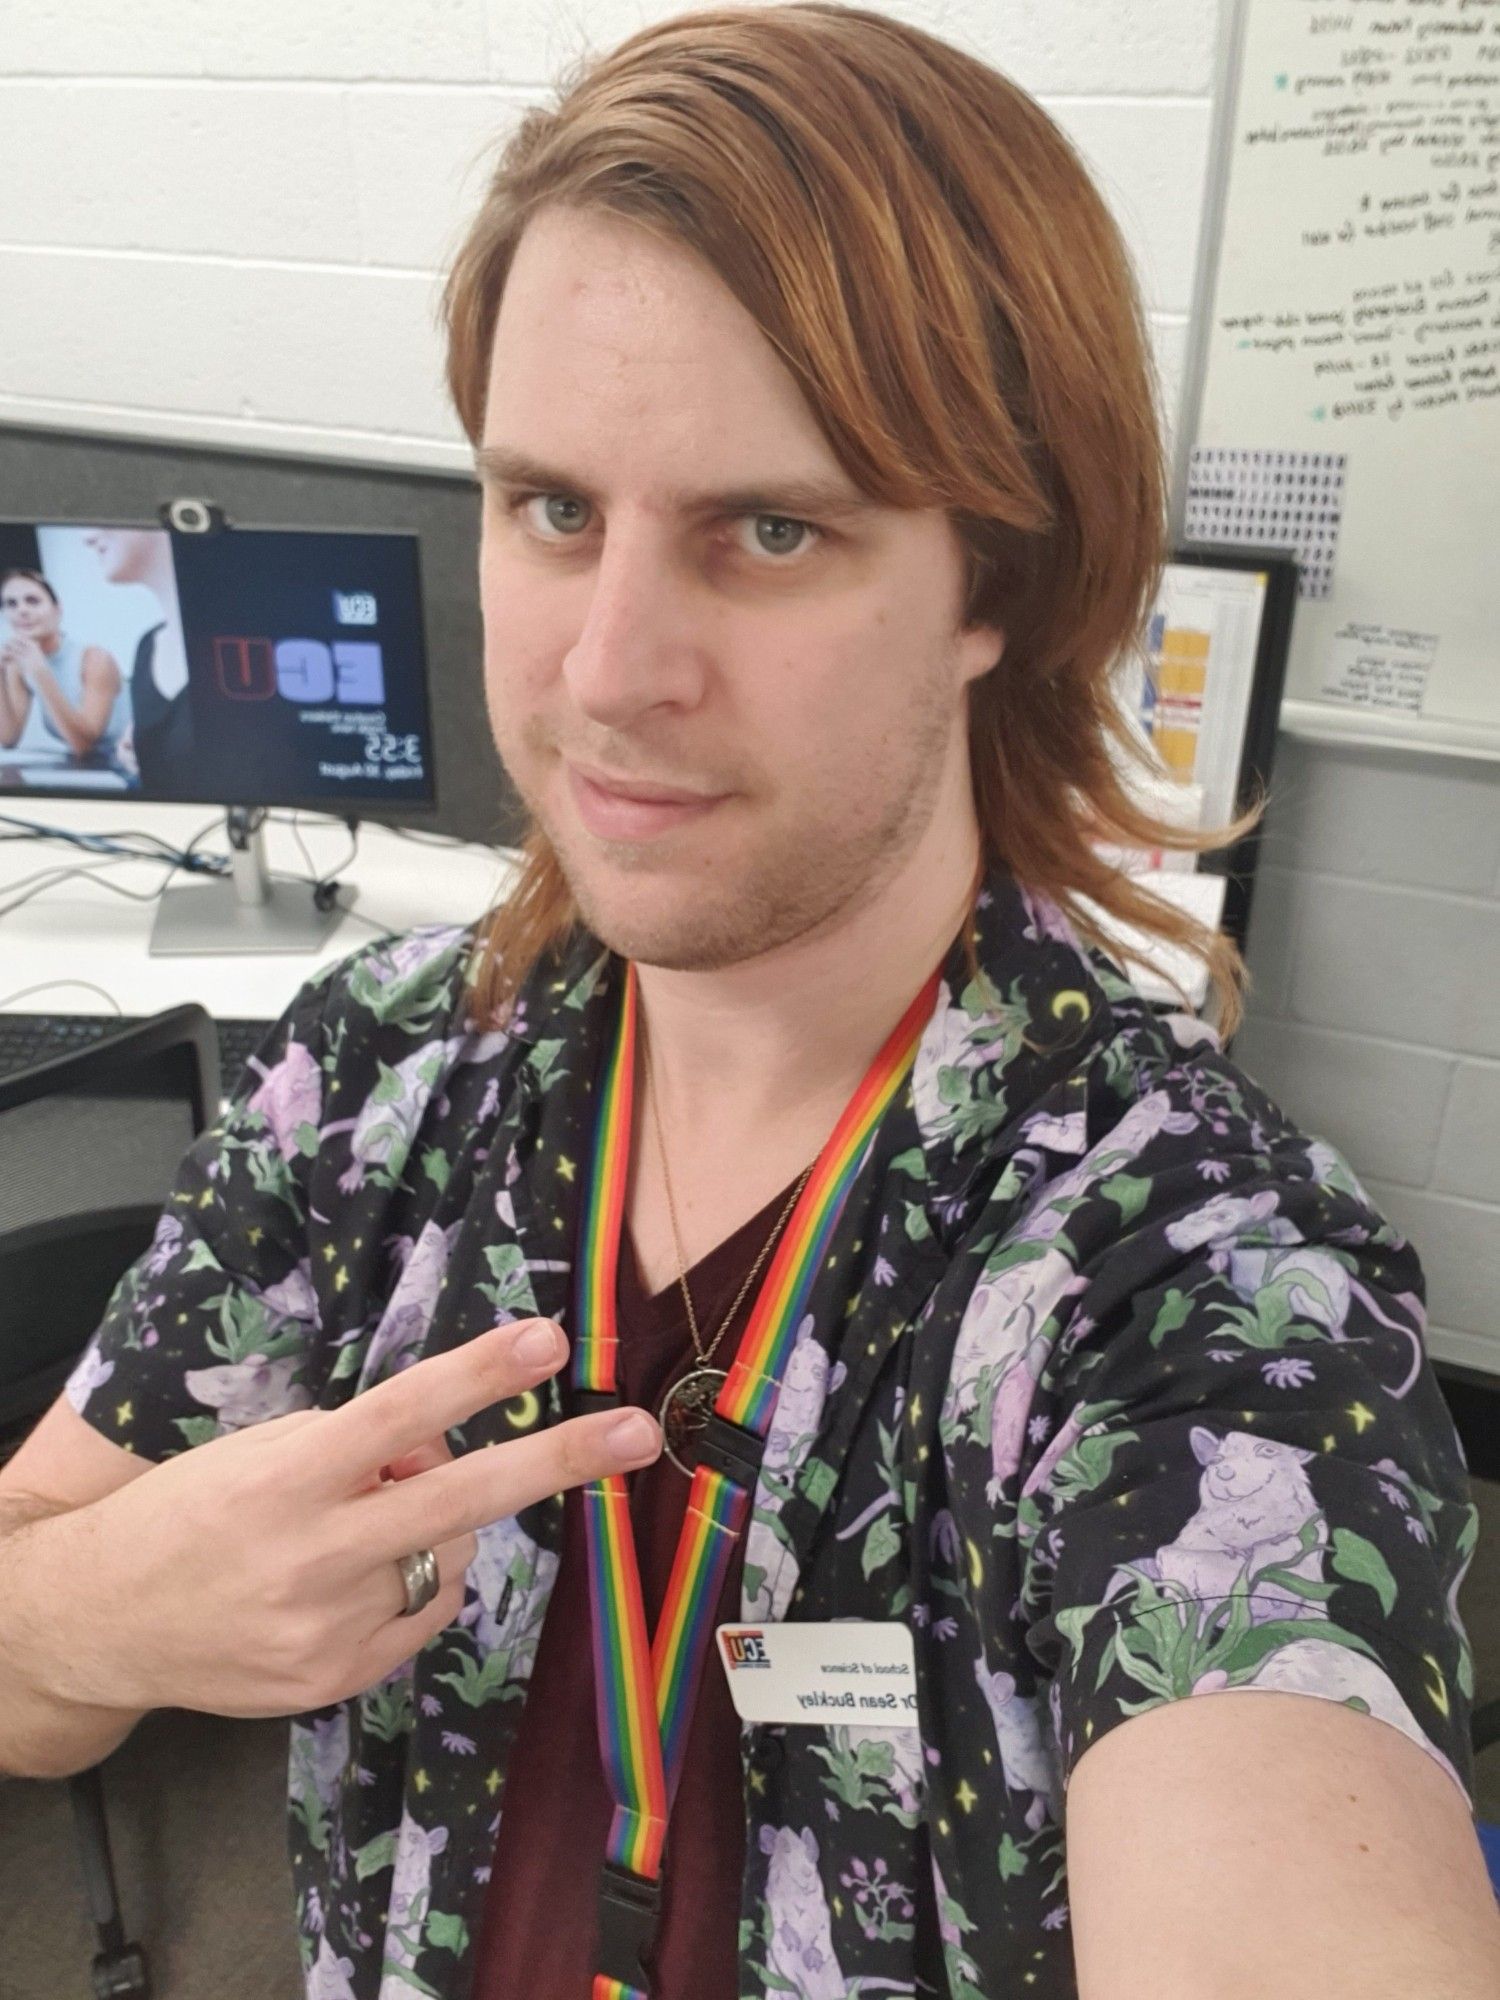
(1176, 1311)
(1129, 1193)
(390, 1088)
(435, 1166)
(447, 1932)
(1362, 1562)
(244, 1322)
(1012, 1860)
(375, 1854)
(1088, 1463)
(306, 1137)
(512, 1290)
(861, 1776)
(391, 1969)
(477, 1682)
(197, 1430)
(387, 1712)
(347, 1363)
(272, 1176)
(818, 1481)
(1267, 1638)
(543, 1060)
(882, 1545)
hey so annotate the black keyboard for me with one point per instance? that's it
(32, 1038)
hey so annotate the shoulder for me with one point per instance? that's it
(392, 998)
(1156, 1162)
(100, 660)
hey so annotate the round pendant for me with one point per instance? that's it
(685, 1409)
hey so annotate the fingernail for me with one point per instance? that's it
(539, 1345)
(632, 1437)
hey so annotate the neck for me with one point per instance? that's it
(791, 1033)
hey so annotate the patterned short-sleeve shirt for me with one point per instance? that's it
(1112, 1386)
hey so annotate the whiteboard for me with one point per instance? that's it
(1342, 393)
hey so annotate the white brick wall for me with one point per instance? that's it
(1375, 1019)
(225, 223)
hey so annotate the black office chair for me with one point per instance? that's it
(89, 1145)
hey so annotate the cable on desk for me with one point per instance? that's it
(44, 985)
(53, 877)
(115, 843)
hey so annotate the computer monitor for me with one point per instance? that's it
(247, 668)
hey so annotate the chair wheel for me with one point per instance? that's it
(121, 1975)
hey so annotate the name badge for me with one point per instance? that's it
(843, 1671)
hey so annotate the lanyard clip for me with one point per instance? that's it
(731, 1449)
(629, 1908)
(587, 1401)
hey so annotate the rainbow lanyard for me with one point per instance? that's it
(644, 1690)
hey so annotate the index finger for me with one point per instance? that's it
(410, 1409)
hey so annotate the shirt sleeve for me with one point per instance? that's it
(216, 1326)
(1250, 1479)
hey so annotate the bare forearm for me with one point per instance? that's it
(71, 722)
(44, 1732)
(12, 713)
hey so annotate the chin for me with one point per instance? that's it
(695, 924)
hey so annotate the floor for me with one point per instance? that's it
(196, 1808)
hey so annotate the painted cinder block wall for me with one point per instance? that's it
(225, 223)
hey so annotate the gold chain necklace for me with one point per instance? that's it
(688, 1404)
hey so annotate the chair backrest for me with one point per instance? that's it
(90, 1143)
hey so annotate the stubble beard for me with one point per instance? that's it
(803, 881)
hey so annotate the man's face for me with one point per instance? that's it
(809, 686)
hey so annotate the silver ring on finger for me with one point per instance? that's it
(419, 1579)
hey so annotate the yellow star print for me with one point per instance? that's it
(341, 1278)
(492, 1783)
(566, 1167)
(1361, 1417)
(421, 1780)
(124, 1414)
(966, 1796)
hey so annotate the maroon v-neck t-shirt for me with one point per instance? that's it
(540, 1918)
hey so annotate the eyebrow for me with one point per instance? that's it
(500, 466)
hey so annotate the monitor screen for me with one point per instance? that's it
(245, 666)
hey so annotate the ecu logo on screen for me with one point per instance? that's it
(301, 670)
(744, 1649)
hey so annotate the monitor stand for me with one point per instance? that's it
(246, 910)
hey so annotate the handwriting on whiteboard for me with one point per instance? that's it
(1379, 666)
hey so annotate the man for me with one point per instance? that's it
(821, 489)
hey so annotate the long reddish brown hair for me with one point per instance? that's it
(929, 257)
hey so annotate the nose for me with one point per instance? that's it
(636, 649)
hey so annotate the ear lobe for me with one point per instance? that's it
(984, 648)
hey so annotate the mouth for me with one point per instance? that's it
(631, 811)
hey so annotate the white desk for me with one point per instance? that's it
(76, 930)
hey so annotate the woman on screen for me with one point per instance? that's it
(159, 744)
(58, 696)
